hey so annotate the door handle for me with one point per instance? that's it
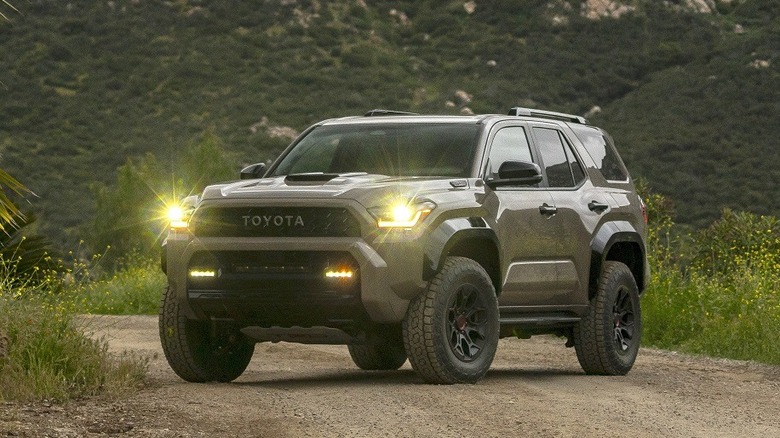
(548, 210)
(597, 207)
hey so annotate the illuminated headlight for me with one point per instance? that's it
(402, 214)
(179, 217)
(176, 217)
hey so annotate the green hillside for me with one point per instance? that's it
(692, 99)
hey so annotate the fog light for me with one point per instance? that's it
(344, 273)
(203, 273)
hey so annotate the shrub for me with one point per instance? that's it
(714, 292)
(48, 355)
(134, 289)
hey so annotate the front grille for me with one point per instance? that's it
(274, 222)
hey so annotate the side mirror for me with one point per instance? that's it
(518, 173)
(254, 171)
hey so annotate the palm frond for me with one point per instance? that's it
(8, 210)
(6, 3)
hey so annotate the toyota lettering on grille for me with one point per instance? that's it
(272, 221)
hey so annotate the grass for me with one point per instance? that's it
(735, 316)
(133, 290)
(49, 355)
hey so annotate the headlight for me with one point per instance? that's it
(179, 214)
(178, 217)
(402, 214)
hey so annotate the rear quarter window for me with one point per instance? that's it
(602, 152)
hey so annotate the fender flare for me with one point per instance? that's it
(608, 235)
(447, 235)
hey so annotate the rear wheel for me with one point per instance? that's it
(383, 350)
(201, 351)
(451, 330)
(607, 337)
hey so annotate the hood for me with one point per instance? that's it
(368, 190)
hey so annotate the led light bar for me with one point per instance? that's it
(203, 273)
(339, 274)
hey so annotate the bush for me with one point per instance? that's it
(134, 289)
(48, 355)
(714, 292)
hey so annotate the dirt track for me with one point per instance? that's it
(535, 388)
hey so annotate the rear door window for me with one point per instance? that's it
(560, 164)
(602, 151)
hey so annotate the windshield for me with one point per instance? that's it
(409, 149)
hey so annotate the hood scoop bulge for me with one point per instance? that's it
(317, 177)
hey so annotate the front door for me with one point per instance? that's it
(533, 272)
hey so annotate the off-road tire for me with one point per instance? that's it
(200, 351)
(451, 330)
(383, 350)
(607, 337)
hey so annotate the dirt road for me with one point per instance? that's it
(535, 388)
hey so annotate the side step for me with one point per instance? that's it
(539, 320)
(525, 326)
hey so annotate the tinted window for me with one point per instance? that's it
(509, 144)
(602, 152)
(576, 168)
(556, 159)
(397, 149)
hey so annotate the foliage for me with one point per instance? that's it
(90, 85)
(131, 214)
(9, 213)
(28, 256)
(49, 355)
(714, 292)
(738, 240)
(133, 289)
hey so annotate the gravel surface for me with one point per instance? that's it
(534, 388)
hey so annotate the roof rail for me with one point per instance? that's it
(520, 111)
(384, 112)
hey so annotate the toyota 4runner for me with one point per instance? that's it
(411, 236)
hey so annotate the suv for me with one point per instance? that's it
(412, 236)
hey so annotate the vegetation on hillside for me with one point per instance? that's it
(89, 85)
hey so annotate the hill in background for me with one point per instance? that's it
(688, 89)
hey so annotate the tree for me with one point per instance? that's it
(131, 214)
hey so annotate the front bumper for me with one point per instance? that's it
(389, 276)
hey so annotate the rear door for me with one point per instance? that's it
(579, 206)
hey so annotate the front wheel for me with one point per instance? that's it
(607, 337)
(451, 330)
(201, 351)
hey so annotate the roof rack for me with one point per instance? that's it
(520, 111)
(384, 112)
